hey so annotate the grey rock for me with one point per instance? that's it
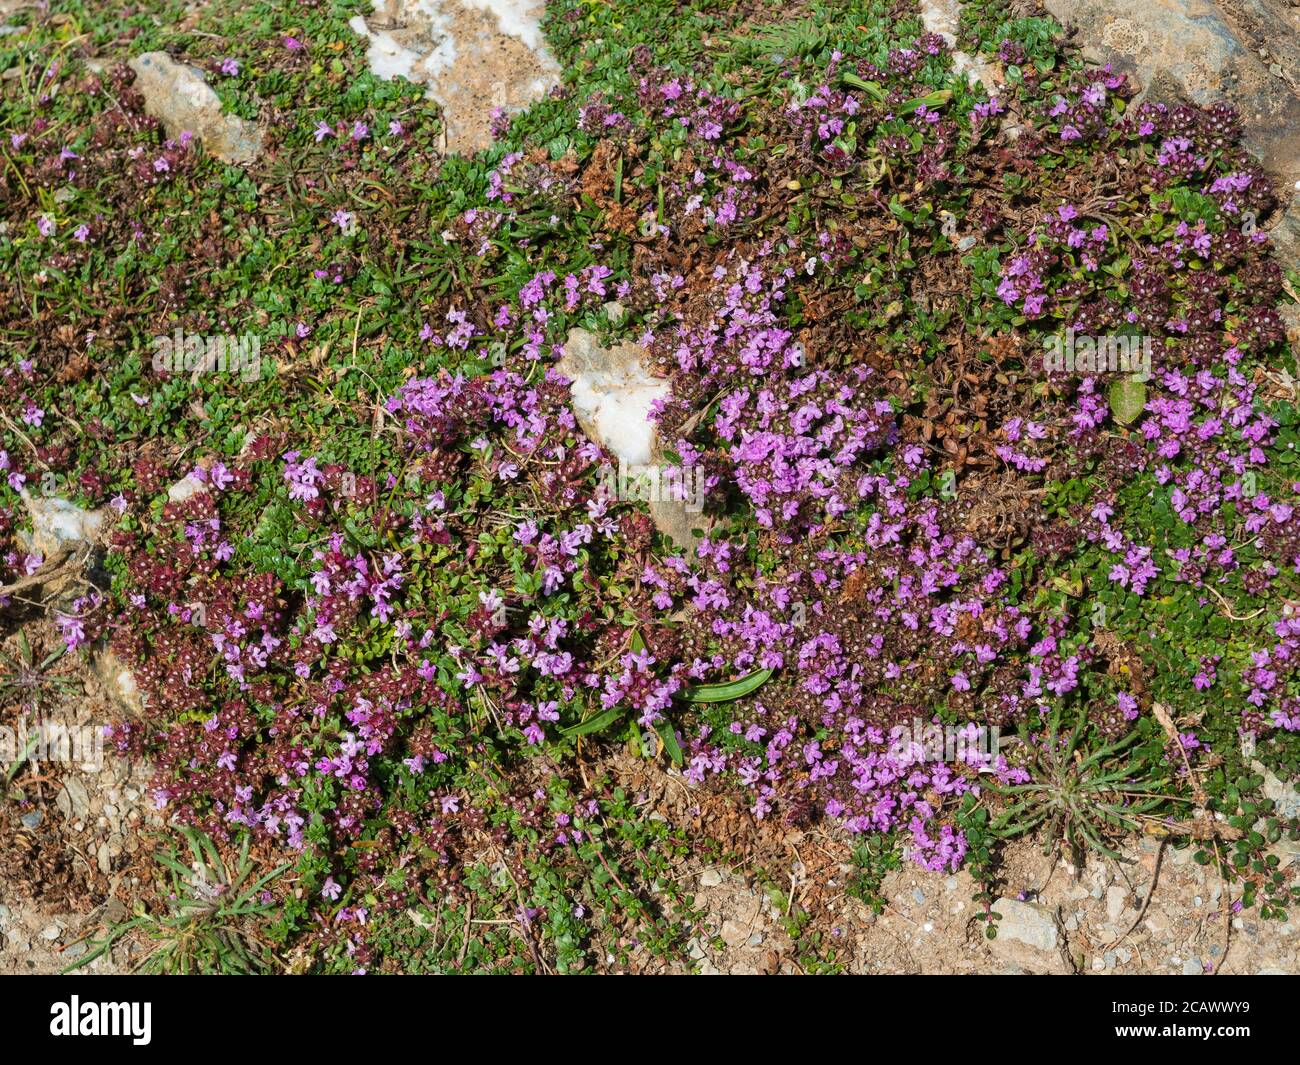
(734, 933)
(16, 942)
(1027, 937)
(1183, 42)
(59, 526)
(77, 795)
(1116, 900)
(711, 877)
(1192, 967)
(942, 17)
(51, 932)
(32, 819)
(473, 56)
(178, 96)
(187, 486)
(612, 395)
(118, 681)
(1286, 851)
(1202, 51)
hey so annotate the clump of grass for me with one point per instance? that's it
(1083, 795)
(215, 918)
(23, 675)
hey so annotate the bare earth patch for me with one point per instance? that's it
(74, 844)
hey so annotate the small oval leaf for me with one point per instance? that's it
(1128, 398)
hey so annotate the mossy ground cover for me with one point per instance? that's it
(402, 636)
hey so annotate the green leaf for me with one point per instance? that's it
(930, 100)
(594, 724)
(728, 690)
(665, 730)
(869, 87)
(1127, 399)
